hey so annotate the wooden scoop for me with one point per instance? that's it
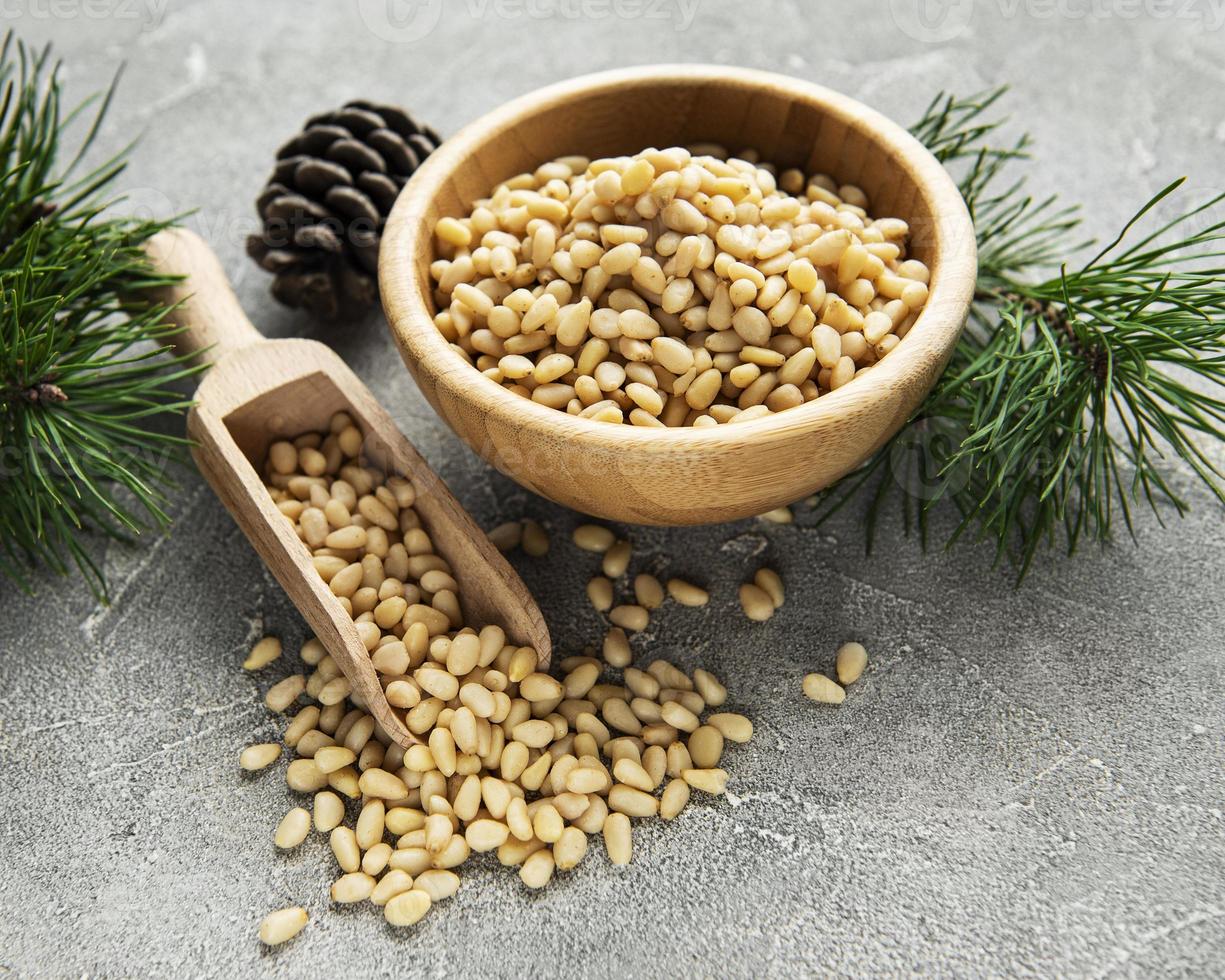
(258, 391)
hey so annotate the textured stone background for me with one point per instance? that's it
(1025, 782)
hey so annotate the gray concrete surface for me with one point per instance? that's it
(1026, 783)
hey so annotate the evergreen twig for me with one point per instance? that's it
(83, 368)
(1074, 384)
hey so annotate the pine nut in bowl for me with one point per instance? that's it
(740, 448)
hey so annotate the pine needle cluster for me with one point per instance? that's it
(1078, 381)
(84, 368)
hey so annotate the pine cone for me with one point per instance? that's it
(324, 207)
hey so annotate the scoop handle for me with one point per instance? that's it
(204, 305)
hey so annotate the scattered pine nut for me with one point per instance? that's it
(780, 515)
(769, 582)
(329, 811)
(648, 591)
(507, 537)
(293, 828)
(281, 926)
(675, 796)
(617, 648)
(535, 539)
(285, 692)
(851, 660)
(594, 538)
(509, 759)
(633, 618)
(600, 592)
(821, 688)
(407, 908)
(618, 838)
(734, 727)
(713, 781)
(756, 603)
(709, 687)
(263, 653)
(616, 560)
(256, 757)
(687, 594)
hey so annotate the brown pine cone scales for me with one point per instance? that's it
(324, 207)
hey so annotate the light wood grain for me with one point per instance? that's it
(258, 391)
(682, 476)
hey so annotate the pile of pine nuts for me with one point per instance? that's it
(510, 759)
(674, 287)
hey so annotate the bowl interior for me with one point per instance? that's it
(837, 137)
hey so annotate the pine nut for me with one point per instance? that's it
(539, 687)
(600, 592)
(820, 688)
(479, 706)
(648, 591)
(707, 685)
(570, 849)
(438, 883)
(633, 774)
(356, 886)
(304, 776)
(734, 727)
(293, 828)
(713, 781)
(376, 782)
(486, 835)
(281, 926)
(616, 560)
(706, 747)
(617, 648)
(535, 541)
(770, 583)
(333, 757)
(343, 842)
(256, 757)
(851, 660)
(618, 838)
(394, 882)
(687, 594)
(618, 714)
(674, 798)
(537, 870)
(678, 716)
(263, 653)
(592, 537)
(632, 802)
(329, 811)
(506, 537)
(407, 908)
(285, 692)
(633, 618)
(756, 603)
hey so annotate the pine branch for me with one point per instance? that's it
(1070, 392)
(83, 347)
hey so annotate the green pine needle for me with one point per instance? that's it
(83, 363)
(1075, 385)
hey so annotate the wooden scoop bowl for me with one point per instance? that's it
(258, 391)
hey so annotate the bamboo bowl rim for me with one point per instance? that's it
(408, 303)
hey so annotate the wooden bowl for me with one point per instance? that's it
(682, 475)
